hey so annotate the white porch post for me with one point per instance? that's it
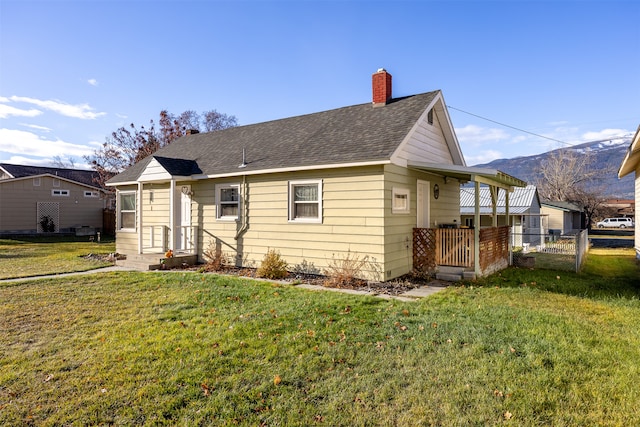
(508, 220)
(476, 231)
(139, 213)
(172, 215)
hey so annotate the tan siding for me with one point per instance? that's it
(556, 218)
(398, 254)
(19, 201)
(352, 218)
(154, 172)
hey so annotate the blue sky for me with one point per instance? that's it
(71, 72)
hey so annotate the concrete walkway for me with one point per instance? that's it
(412, 295)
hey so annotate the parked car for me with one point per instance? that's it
(615, 223)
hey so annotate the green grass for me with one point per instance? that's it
(520, 348)
(41, 256)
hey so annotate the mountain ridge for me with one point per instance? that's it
(608, 156)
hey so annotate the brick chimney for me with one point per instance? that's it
(191, 131)
(381, 83)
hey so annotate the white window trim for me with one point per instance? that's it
(395, 191)
(292, 185)
(119, 213)
(219, 216)
(60, 193)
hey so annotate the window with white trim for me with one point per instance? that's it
(227, 201)
(400, 200)
(91, 194)
(56, 182)
(36, 182)
(60, 193)
(305, 201)
(127, 210)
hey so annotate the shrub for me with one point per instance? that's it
(272, 266)
(347, 271)
(216, 260)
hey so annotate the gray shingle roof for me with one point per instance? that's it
(78, 175)
(355, 134)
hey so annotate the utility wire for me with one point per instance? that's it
(531, 133)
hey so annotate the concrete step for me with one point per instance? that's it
(448, 277)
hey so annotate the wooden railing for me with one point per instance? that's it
(455, 247)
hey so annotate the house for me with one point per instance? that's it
(563, 217)
(631, 164)
(351, 182)
(524, 214)
(621, 207)
(37, 199)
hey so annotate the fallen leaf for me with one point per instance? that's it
(507, 415)
(205, 389)
(277, 380)
(49, 378)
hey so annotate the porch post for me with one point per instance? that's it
(172, 215)
(139, 213)
(476, 231)
(508, 221)
(494, 205)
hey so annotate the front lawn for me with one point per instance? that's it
(184, 348)
(36, 257)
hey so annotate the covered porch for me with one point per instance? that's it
(478, 250)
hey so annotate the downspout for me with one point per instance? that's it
(244, 224)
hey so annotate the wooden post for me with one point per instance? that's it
(476, 231)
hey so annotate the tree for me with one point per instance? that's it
(563, 172)
(591, 202)
(68, 163)
(128, 145)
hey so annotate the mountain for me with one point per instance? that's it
(607, 156)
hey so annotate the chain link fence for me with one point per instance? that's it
(549, 251)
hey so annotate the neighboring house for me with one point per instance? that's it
(37, 199)
(524, 212)
(563, 217)
(621, 207)
(631, 164)
(350, 182)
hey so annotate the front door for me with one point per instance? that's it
(423, 204)
(184, 220)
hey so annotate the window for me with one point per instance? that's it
(127, 210)
(91, 194)
(56, 182)
(305, 201)
(430, 116)
(228, 201)
(60, 193)
(400, 200)
(36, 182)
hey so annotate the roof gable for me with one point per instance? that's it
(359, 134)
(81, 176)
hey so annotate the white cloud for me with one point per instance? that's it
(80, 111)
(37, 127)
(92, 82)
(605, 134)
(483, 157)
(476, 134)
(29, 144)
(8, 110)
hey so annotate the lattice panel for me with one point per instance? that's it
(494, 247)
(48, 217)
(424, 250)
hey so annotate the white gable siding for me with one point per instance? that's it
(154, 172)
(426, 143)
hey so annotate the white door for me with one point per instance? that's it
(423, 204)
(184, 220)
